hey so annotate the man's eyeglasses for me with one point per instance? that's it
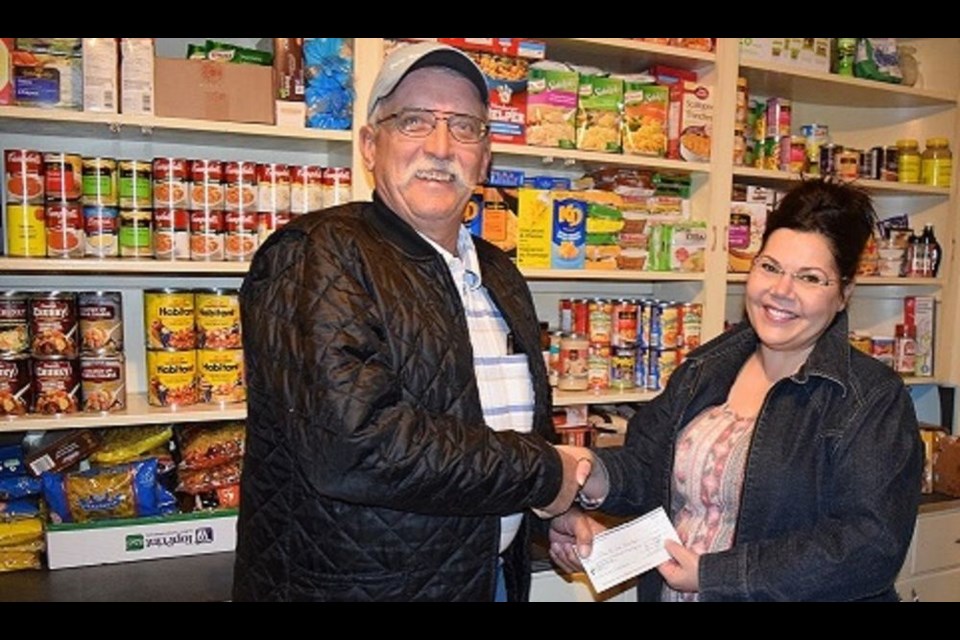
(419, 123)
(811, 278)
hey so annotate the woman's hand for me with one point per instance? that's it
(568, 532)
(682, 571)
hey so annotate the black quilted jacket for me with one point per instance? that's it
(369, 472)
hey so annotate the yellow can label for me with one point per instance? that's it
(220, 375)
(26, 233)
(169, 319)
(218, 320)
(172, 377)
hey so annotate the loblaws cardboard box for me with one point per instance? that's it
(129, 540)
(210, 90)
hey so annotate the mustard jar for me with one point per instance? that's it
(936, 165)
(909, 169)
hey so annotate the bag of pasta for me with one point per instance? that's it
(126, 444)
(21, 543)
(127, 490)
(206, 446)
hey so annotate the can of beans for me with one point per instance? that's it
(16, 384)
(220, 377)
(171, 234)
(101, 322)
(63, 176)
(135, 185)
(56, 385)
(64, 225)
(171, 183)
(273, 188)
(553, 370)
(168, 316)
(306, 188)
(206, 185)
(14, 323)
(240, 186)
(101, 227)
(218, 319)
(24, 176)
(99, 177)
(240, 239)
(53, 324)
(102, 383)
(206, 235)
(136, 233)
(171, 378)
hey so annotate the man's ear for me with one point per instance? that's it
(368, 145)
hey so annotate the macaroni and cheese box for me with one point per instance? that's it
(552, 107)
(569, 238)
(534, 228)
(598, 113)
(645, 119)
(129, 540)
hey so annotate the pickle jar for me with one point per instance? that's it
(936, 164)
(909, 166)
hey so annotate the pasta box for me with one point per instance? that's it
(211, 90)
(129, 540)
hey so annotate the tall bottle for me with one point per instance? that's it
(933, 250)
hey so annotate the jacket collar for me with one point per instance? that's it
(398, 232)
(830, 358)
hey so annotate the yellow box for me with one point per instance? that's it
(534, 228)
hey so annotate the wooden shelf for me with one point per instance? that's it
(625, 55)
(772, 79)
(573, 156)
(138, 412)
(621, 276)
(121, 265)
(605, 396)
(783, 179)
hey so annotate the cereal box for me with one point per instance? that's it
(690, 122)
(645, 119)
(534, 227)
(598, 113)
(552, 107)
(569, 238)
(507, 83)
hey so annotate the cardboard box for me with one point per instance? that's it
(812, 54)
(129, 540)
(136, 76)
(534, 228)
(506, 78)
(46, 80)
(598, 113)
(552, 107)
(290, 114)
(919, 311)
(690, 122)
(208, 90)
(101, 68)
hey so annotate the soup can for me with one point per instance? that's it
(600, 323)
(240, 239)
(691, 325)
(53, 324)
(206, 185)
(99, 177)
(623, 366)
(306, 188)
(267, 223)
(240, 186)
(135, 184)
(598, 367)
(26, 230)
(16, 384)
(63, 176)
(273, 188)
(102, 383)
(169, 319)
(206, 235)
(171, 378)
(136, 233)
(337, 186)
(218, 319)
(171, 234)
(624, 319)
(101, 231)
(64, 225)
(14, 323)
(220, 378)
(56, 385)
(171, 184)
(101, 322)
(24, 176)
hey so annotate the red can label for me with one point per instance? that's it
(24, 178)
(63, 176)
(170, 186)
(206, 235)
(56, 385)
(54, 325)
(64, 224)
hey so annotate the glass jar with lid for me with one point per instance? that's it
(937, 163)
(909, 161)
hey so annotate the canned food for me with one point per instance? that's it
(581, 316)
(273, 188)
(574, 354)
(306, 188)
(240, 235)
(661, 365)
(101, 226)
(101, 322)
(598, 367)
(848, 163)
(102, 383)
(815, 136)
(64, 225)
(828, 158)
(691, 325)
(645, 324)
(553, 370)
(600, 324)
(56, 385)
(53, 324)
(891, 164)
(169, 319)
(206, 188)
(14, 323)
(26, 231)
(171, 378)
(135, 235)
(220, 376)
(171, 234)
(135, 185)
(16, 384)
(63, 176)
(24, 175)
(218, 319)
(240, 191)
(565, 306)
(623, 366)
(664, 325)
(871, 163)
(170, 183)
(337, 187)
(624, 319)
(267, 223)
(100, 182)
(206, 235)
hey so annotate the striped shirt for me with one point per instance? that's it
(503, 379)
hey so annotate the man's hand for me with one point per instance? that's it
(577, 464)
(682, 572)
(572, 530)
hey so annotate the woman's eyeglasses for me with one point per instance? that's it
(810, 278)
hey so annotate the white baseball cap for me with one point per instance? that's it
(409, 57)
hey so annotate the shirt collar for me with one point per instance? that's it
(467, 261)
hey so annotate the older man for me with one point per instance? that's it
(396, 443)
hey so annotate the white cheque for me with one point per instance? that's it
(629, 549)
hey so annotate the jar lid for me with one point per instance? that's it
(907, 142)
(937, 142)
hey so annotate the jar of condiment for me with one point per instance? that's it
(936, 165)
(909, 161)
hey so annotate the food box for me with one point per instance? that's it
(690, 122)
(209, 90)
(744, 235)
(644, 124)
(688, 246)
(598, 113)
(100, 75)
(506, 78)
(129, 540)
(569, 237)
(136, 76)
(534, 228)
(45, 80)
(552, 107)
(812, 54)
(6, 71)
(919, 311)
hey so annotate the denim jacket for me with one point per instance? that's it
(832, 479)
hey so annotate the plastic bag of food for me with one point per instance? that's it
(20, 532)
(204, 480)
(19, 560)
(878, 59)
(206, 446)
(14, 487)
(19, 509)
(226, 497)
(102, 493)
(11, 461)
(125, 444)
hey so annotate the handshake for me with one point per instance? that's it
(584, 479)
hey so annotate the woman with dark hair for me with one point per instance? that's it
(788, 461)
